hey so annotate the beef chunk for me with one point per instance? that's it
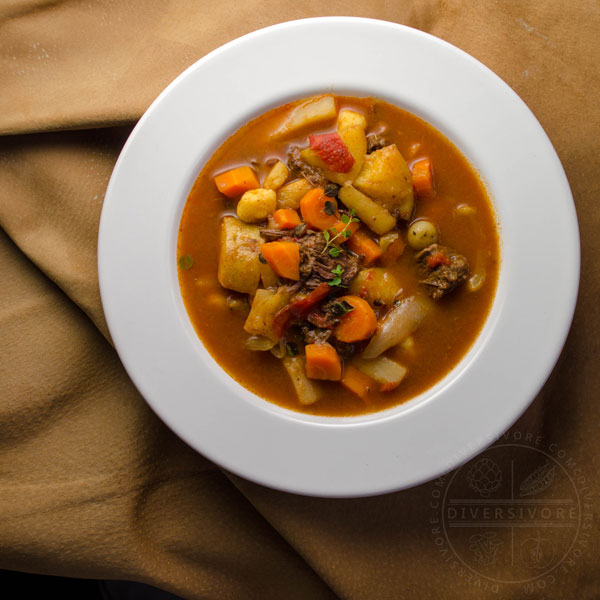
(298, 166)
(316, 266)
(329, 313)
(375, 141)
(442, 269)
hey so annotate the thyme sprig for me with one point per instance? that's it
(332, 234)
(338, 271)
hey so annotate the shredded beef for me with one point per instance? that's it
(314, 335)
(320, 319)
(319, 329)
(316, 266)
(280, 234)
(375, 141)
(290, 288)
(298, 166)
(274, 234)
(439, 278)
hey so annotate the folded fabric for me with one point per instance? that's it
(92, 484)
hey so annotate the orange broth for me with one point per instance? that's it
(444, 336)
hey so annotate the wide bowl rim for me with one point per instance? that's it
(269, 426)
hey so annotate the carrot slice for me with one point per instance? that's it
(286, 218)
(323, 362)
(283, 258)
(318, 210)
(422, 176)
(361, 244)
(358, 382)
(236, 181)
(358, 324)
(352, 227)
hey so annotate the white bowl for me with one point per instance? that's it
(434, 432)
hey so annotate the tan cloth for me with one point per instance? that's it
(91, 483)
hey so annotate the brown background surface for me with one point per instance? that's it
(91, 483)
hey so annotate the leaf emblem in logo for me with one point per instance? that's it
(484, 547)
(539, 480)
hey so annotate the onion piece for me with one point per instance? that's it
(400, 321)
(258, 342)
(279, 351)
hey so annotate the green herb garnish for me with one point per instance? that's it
(341, 308)
(331, 190)
(338, 275)
(292, 350)
(335, 251)
(345, 232)
(186, 262)
(329, 208)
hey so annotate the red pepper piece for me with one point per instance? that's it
(332, 151)
(299, 309)
(436, 259)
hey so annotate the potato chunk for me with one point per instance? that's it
(351, 127)
(276, 177)
(385, 177)
(290, 194)
(268, 277)
(256, 205)
(351, 118)
(377, 286)
(266, 304)
(311, 112)
(239, 266)
(375, 217)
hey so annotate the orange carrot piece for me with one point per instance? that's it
(361, 244)
(323, 362)
(359, 383)
(358, 324)
(236, 181)
(312, 207)
(393, 252)
(352, 227)
(283, 258)
(422, 176)
(286, 218)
